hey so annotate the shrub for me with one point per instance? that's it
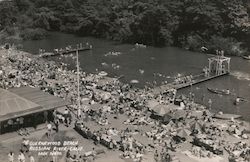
(230, 45)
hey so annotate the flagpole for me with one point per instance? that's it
(78, 79)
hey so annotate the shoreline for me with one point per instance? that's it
(118, 42)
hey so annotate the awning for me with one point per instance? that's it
(12, 105)
(23, 101)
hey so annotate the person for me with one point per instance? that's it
(21, 157)
(25, 145)
(21, 122)
(203, 98)
(10, 124)
(156, 156)
(32, 159)
(57, 125)
(45, 115)
(209, 104)
(66, 113)
(79, 113)
(11, 156)
(49, 129)
(168, 157)
(54, 115)
(68, 155)
(69, 119)
(94, 154)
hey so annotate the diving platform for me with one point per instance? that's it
(218, 66)
(178, 86)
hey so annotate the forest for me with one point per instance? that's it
(189, 24)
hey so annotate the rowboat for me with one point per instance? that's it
(227, 116)
(219, 91)
(246, 57)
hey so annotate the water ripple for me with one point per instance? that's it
(241, 75)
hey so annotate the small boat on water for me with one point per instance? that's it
(103, 73)
(240, 100)
(219, 91)
(46, 54)
(134, 81)
(137, 45)
(246, 57)
(227, 116)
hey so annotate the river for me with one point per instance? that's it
(168, 61)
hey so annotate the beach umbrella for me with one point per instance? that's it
(161, 110)
(182, 97)
(152, 103)
(95, 107)
(105, 96)
(85, 101)
(196, 126)
(106, 108)
(179, 114)
(197, 114)
(171, 123)
(143, 139)
(128, 95)
(85, 108)
(167, 120)
(183, 133)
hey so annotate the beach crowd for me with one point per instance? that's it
(124, 118)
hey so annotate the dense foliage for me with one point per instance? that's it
(215, 24)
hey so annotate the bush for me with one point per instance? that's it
(194, 42)
(230, 45)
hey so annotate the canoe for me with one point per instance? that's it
(227, 116)
(246, 57)
(134, 81)
(219, 91)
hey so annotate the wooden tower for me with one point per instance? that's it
(219, 64)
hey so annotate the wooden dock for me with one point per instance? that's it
(200, 79)
(64, 52)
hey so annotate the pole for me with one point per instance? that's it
(78, 78)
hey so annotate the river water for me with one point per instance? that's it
(168, 61)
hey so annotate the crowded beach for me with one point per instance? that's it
(133, 122)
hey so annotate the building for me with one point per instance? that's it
(26, 107)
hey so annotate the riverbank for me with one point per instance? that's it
(129, 113)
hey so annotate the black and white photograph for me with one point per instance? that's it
(124, 80)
